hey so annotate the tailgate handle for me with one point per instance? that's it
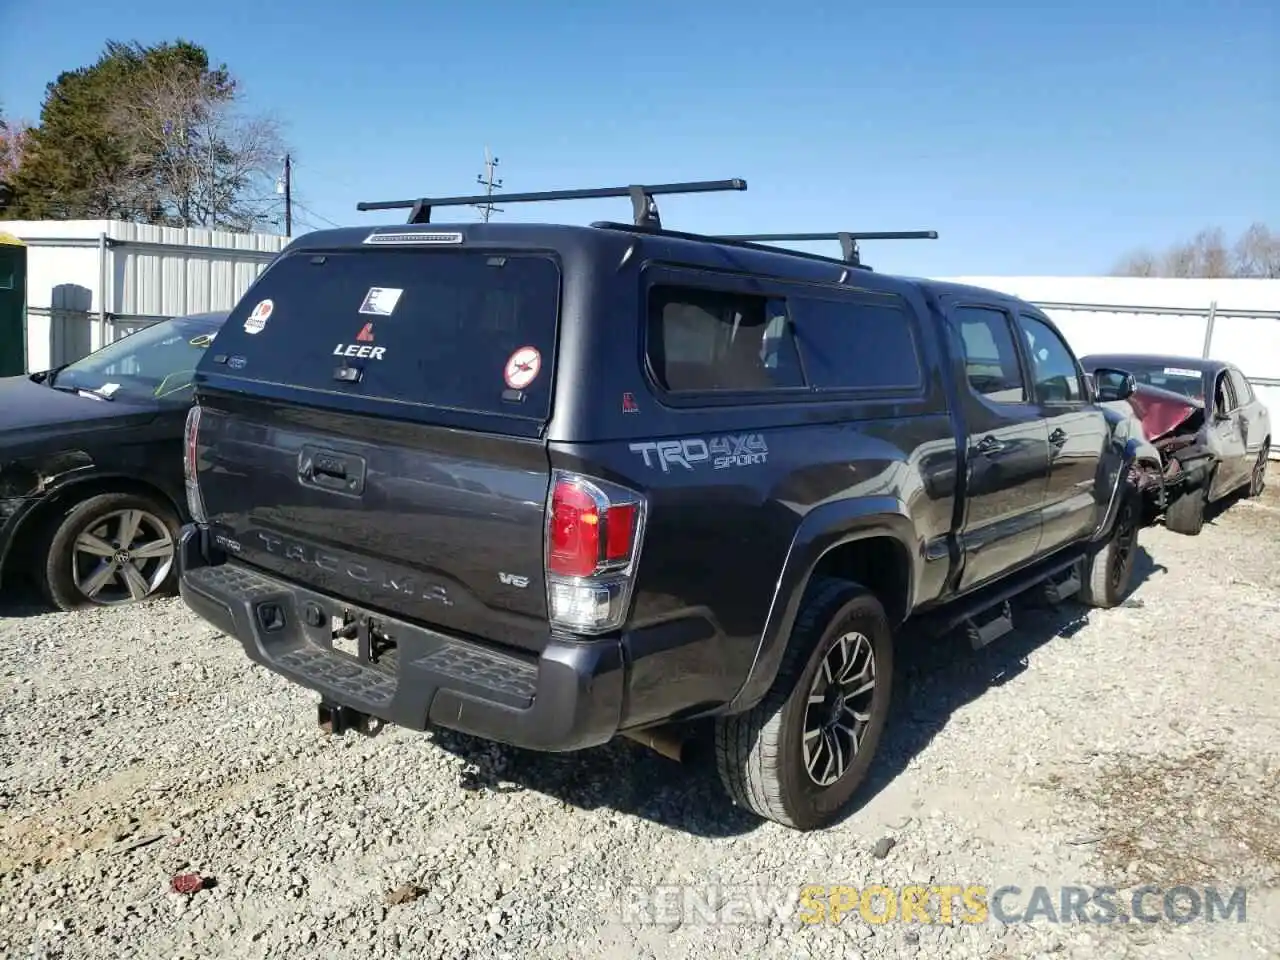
(330, 470)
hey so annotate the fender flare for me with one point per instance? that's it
(822, 530)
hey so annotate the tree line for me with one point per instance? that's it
(152, 134)
(1255, 253)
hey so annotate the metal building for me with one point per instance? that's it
(90, 281)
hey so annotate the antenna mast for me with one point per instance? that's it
(490, 183)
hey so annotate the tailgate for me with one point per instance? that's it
(374, 432)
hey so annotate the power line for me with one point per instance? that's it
(490, 184)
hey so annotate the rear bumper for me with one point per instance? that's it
(568, 698)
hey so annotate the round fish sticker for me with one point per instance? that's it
(522, 367)
(258, 319)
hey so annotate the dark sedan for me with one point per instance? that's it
(92, 493)
(1211, 429)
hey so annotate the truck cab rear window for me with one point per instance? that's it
(429, 328)
(707, 340)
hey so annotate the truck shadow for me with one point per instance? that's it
(937, 677)
(934, 680)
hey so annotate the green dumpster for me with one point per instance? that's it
(13, 306)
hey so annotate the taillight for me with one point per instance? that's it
(594, 531)
(190, 466)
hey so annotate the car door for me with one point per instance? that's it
(1007, 447)
(1228, 437)
(1253, 425)
(1077, 434)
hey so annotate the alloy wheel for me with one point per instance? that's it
(839, 708)
(122, 557)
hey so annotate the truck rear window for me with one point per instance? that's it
(466, 331)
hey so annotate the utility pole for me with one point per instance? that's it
(288, 196)
(490, 184)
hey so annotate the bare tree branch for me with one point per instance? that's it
(1255, 254)
(196, 158)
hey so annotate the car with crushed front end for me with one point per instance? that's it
(551, 484)
(1212, 430)
(91, 485)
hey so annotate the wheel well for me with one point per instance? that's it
(881, 564)
(27, 538)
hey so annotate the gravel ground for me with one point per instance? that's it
(1129, 747)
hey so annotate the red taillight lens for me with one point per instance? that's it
(620, 526)
(574, 548)
(581, 525)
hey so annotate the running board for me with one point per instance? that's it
(986, 628)
(979, 602)
(1057, 589)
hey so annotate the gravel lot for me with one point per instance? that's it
(1138, 745)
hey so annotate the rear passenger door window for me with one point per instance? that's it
(861, 342)
(1053, 367)
(991, 355)
(703, 340)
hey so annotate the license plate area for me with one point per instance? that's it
(362, 637)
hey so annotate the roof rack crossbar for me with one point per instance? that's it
(848, 239)
(643, 206)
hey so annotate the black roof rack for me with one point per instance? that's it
(644, 209)
(848, 240)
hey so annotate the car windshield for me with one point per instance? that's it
(157, 362)
(1183, 380)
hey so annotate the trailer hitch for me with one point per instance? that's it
(336, 719)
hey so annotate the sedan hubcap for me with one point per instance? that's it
(839, 708)
(122, 557)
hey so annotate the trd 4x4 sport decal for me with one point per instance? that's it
(737, 450)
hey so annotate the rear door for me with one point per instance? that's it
(1228, 437)
(371, 426)
(1007, 460)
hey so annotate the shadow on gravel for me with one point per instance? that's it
(934, 680)
(22, 599)
(620, 776)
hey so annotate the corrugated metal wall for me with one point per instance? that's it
(92, 280)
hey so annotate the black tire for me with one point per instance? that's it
(1108, 572)
(760, 754)
(1258, 478)
(60, 556)
(1186, 514)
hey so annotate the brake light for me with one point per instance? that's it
(190, 466)
(594, 531)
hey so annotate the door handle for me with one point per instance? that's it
(989, 445)
(1058, 437)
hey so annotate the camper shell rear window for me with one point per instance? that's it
(467, 331)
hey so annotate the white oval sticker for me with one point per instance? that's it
(257, 320)
(522, 367)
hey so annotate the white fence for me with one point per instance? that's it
(1232, 320)
(89, 281)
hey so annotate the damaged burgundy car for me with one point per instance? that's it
(1212, 431)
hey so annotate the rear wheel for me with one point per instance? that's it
(1108, 572)
(110, 550)
(1258, 478)
(799, 755)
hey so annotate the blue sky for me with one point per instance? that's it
(1035, 140)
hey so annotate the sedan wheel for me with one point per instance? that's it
(125, 556)
(111, 550)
